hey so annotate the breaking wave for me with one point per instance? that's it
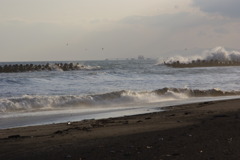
(197, 93)
(77, 66)
(219, 54)
(35, 103)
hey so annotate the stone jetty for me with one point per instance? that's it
(202, 63)
(11, 68)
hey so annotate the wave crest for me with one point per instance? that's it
(36, 103)
(198, 93)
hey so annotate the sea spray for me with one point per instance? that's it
(219, 54)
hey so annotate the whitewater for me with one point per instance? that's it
(108, 88)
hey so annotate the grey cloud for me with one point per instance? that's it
(170, 20)
(227, 8)
(221, 30)
(176, 21)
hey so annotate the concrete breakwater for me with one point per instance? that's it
(201, 63)
(9, 68)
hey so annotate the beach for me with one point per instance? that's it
(205, 130)
(116, 80)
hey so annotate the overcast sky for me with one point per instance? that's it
(39, 30)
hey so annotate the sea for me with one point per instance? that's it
(107, 88)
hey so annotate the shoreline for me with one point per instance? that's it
(26, 119)
(203, 130)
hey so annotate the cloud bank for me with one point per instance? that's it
(227, 8)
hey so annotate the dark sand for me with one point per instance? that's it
(200, 131)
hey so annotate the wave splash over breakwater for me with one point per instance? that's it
(37, 103)
(218, 56)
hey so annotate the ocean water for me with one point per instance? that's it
(107, 88)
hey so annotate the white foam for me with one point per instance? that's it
(32, 103)
(215, 54)
(11, 120)
(182, 59)
(36, 103)
(88, 67)
(55, 67)
(152, 97)
(221, 54)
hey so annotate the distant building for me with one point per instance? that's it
(141, 57)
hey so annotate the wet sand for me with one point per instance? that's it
(208, 130)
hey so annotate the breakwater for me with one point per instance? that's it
(201, 63)
(11, 68)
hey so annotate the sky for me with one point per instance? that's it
(48, 30)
